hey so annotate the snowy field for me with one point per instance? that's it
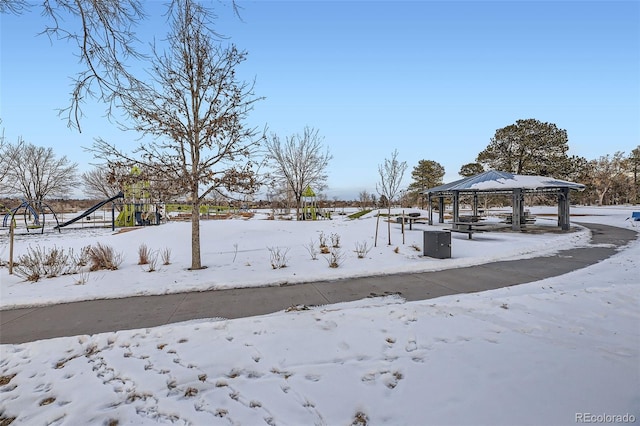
(564, 350)
(238, 252)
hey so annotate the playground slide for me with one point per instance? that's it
(91, 210)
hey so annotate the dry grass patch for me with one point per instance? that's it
(4, 380)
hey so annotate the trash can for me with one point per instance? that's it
(437, 244)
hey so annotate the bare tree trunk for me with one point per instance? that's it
(601, 195)
(195, 235)
(389, 223)
(375, 242)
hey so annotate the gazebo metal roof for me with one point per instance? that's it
(497, 181)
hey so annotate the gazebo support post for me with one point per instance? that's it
(440, 209)
(456, 208)
(475, 204)
(429, 208)
(518, 210)
(564, 221)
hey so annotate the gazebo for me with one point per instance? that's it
(496, 182)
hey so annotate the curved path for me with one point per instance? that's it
(97, 316)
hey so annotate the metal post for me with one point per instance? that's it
(517, 209)
(564, 221)
(475, 204)
(11, 232)
(456, 207)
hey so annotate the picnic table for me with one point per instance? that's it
(471, 228)
(526, 219)
(470, 218)
(411, 218)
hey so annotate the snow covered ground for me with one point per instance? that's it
(558, 351)
(237, 253)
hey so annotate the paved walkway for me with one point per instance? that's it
(97, 316)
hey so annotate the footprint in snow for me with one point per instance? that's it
(329, 325)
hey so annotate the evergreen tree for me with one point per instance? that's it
(634, 165)
(471, 169)
(426, 174)
(529, 147)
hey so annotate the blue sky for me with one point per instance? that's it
(433, 80)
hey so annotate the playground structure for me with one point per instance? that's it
(139, 209)
(33, 210)
(310, 209)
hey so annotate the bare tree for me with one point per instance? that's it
(97, 185)
(391, 174)
(605, 172)
(35, 173)
(364, 199)
(300, 161)
(8, 153)
(193, 110)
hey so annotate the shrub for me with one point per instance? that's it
(311, 248)
(83, 278)
(166, 256)
(103, 257)
(323, 240)
(144, 253)
(362, 248)
(41, 262)
(152, 262)
(335, 258)
(335, 240)
(278, 257)
(82, 259)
